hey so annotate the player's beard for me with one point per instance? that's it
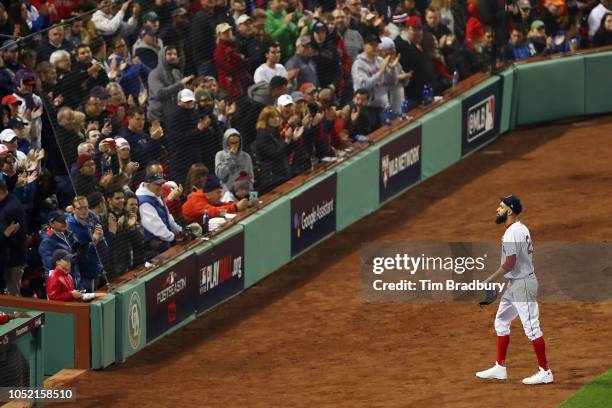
(500, 219)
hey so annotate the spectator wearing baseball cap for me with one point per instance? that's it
(86, 182)
(537, 37)
(309, 91)
(150, 19)
(414, 58)
(60, 285)
(232, 160)
(232, 67)
(56, 236)
(160, 229)
(302, 62)
(372, 73)
(191, 137)
(10, 139)
(326, 56)
(208, 200)
(25, 82)
(251, 45)
(242, 186)
(148, 47)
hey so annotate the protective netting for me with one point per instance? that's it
(126, 121)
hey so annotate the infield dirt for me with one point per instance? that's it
(305, 338)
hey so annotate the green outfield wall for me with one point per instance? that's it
(148, 308)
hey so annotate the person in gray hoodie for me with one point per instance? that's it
(374, 74)
(232, 161)
(165, 82)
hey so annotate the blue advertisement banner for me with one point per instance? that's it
(313, 214)
(400, 164)
(171, 297)
(220, 272)
(481, 116)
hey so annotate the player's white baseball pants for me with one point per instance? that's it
(519, 299)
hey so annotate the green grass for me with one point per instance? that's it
(596, 394)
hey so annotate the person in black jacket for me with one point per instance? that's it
(13, 253)
(272, 150)
(249, 44)
(326, 56)
(413, 57)
(190, 138)
(87, 74)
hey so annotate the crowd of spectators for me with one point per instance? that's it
(125, 121)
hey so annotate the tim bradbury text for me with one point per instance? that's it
(428, 285)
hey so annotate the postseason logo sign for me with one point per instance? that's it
(170, 297)
(400, 164)
(221, 272)
(313, 214)
(481, 117)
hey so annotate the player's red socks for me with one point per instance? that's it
(540, 350)
(502, 348)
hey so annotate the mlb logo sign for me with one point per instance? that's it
(384, 168)
(481, 115)
(481, 118)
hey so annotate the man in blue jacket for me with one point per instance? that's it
(57, 236)
(89, 236)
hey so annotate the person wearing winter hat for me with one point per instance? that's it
(86, 182)
(208, 200)
(232, 160)
(242, 188)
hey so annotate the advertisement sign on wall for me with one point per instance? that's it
(171, 297)
(220, 272)
(400, 164)
(313, 214)
(481, 115)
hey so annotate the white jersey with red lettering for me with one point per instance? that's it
(517, 241)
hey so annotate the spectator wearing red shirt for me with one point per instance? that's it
(232, 66)
(60, 285)
(209, 199)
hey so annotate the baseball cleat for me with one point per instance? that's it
(496, 372)
(541, 377)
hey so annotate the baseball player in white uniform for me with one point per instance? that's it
(520, 297)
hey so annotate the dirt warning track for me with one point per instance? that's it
(305, 338)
